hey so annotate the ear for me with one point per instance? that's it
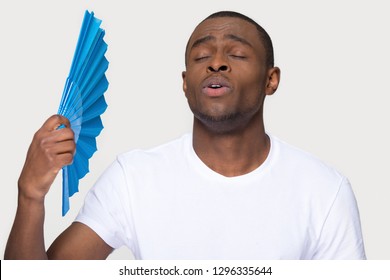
(183, 75)
(273, 79)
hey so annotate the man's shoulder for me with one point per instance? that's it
(166, 151)
(299, 162)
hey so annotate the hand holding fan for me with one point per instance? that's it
(83, 101)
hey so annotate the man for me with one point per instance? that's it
(226, 191)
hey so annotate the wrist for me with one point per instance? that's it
(29, 197)
(31, 189)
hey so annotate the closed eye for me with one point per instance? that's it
(201, 58)
(238, 56)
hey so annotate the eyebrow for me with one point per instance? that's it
(232, 37)
(202, 40)
(238, 39)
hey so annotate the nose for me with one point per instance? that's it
(218, 64)
(212, 68)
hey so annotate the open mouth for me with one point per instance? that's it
(216, 86)
(216, 82)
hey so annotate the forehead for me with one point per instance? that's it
(220, 27)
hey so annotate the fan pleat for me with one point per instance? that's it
(92, 128)
(96, 109)
(87, 145)
(73, 180)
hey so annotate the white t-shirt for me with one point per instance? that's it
(165, 203)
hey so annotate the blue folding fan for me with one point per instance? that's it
(83, 102)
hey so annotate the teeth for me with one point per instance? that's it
(216, 86)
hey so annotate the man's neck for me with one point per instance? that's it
(231, 154)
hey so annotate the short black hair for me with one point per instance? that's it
(263, 35)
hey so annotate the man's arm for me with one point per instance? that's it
(49, 151)
(341, 234)
(79, 242)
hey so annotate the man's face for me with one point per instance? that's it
(226, 76)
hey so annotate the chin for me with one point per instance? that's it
(222, 124)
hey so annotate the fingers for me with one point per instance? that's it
(60, 135)
(63, 160)
(56, 153)
(55, 142)
(55, 135)
(54, 122)
(54, 147)
(50, 150)
(63, 147)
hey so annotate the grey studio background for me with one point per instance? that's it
(333, 99)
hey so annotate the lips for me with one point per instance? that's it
(216, 86)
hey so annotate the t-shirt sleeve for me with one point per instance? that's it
(341, 236)
(106, 208)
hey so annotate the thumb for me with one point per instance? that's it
(55, 122)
